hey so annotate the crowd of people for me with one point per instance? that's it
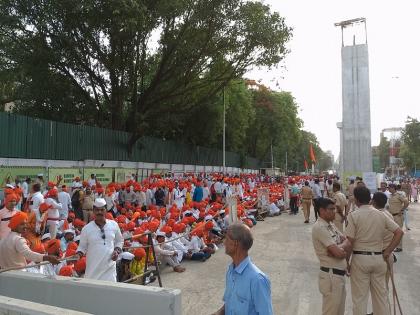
(87, 226)
(115, 232)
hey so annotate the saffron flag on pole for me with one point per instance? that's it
(305, 163)
(312, 153)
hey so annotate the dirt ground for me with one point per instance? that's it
(283, 250)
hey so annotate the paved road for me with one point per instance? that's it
(283, 250)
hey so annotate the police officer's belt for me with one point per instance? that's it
(358, 252)
(334, 271)
(395, 214)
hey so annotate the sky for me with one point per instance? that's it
(312, 69)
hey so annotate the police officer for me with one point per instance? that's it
(331, 248)
(340, 205)
(397, 203)
(350, 195)
(307, 197)
(365, 230)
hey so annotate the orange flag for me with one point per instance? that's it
(312, 153)
(305, 163)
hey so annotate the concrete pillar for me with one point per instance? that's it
(356, 148)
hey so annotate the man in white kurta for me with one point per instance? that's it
(101, 241)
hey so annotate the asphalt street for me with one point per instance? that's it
(283, 250)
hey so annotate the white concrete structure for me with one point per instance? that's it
(10, 306)
(90, 296)
(121, 164)
(355, 131)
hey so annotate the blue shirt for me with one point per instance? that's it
(198, 194)
(248, 290)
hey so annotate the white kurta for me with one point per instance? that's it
(178, 198)
(99, 265)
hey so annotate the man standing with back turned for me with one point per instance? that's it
(365, 230)
(248, 289)
(331, 248)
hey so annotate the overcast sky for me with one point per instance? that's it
(312, 70)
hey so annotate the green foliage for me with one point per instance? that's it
(410, 149)
(133, 65)
(383, 152)
(154, 67)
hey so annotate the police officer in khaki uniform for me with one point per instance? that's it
(379, 201)
(406, 188)
(350, 195)
(397, 203)
(330, 247)
(365, 230)
(340, 205)
(307, 197)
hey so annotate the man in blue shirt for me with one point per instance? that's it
(198, 193)
(248, 289)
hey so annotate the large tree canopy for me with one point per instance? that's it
(131, 64)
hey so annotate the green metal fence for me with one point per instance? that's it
(31, 138)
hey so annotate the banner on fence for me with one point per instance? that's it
(103, 175)
(67, 175)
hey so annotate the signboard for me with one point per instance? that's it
(67, 174)
(233, 209)
(347, 176)
(369, 178)
(263, 197)
(103, 175)
(123, 175)
(11, 173)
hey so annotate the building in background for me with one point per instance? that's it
(387, 153)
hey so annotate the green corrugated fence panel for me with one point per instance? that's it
(17, 135)
(40, 143)
(26, 137)
(68, 140)
(4, 135)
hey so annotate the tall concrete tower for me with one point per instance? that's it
(355, 133)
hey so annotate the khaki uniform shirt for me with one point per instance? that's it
(388, 234)
(368, 226)
(350, 190)
(341, 201)
(306, 193)
(324, 235)
(87, 203)
(405, 187)
(396, 202)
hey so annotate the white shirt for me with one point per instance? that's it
(99, 265)
(25, 189)
(178, 198)
(218, 187)
(206, 192)
(110, 202)
(65, 200)
(196, 244)
(92, 182)
(53, 213)
(36, 199)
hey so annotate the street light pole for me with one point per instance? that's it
(224, 132)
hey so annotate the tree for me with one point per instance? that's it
(410, 149)
(106, 58)
(276, 124)
(383, 152)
